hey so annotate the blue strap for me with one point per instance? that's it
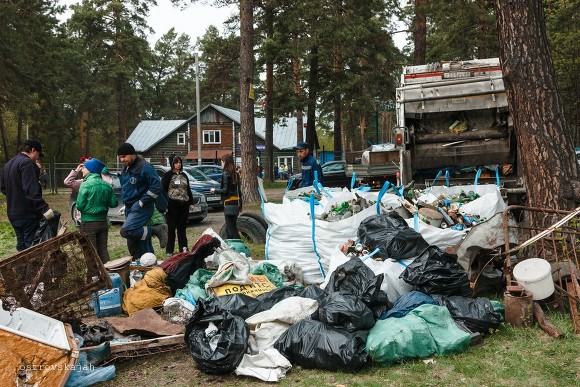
(268, 230)
(290, 181)
(325, 191)
(402, 263)
(352, 180)
(400, 190)
(314, 233)
(365, 257)
(416, 222)
(497, 175)
(447, 177)
(477, 176)
(381, 194)
(434, 180)
(315, 183)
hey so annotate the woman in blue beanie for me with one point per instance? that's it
(93, 201)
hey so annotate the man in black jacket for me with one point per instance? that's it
(24, 202)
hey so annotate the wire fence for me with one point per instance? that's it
(53, 174)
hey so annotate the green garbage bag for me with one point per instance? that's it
(270, 271)
(426, 330)
(195, 287)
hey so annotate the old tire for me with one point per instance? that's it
(258, 217)
(250, 229)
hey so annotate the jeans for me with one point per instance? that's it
(98, 233)
(25, 230)
(177, 213)
(136, 231)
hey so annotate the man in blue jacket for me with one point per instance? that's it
(140, 186)
(309, 165)
(24, 202)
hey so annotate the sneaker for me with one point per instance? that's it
(160, 230)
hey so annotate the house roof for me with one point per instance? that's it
(284, 131)
(150, 132)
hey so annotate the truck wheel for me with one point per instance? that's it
(258, 217)
(249, 228)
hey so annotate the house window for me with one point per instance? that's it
(180, 138)
(212, 137)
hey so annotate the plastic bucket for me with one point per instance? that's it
(122, 267)
(535, 275)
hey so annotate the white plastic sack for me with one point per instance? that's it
(437, 236)
(487, 205)
(269, 365)
(290, 233)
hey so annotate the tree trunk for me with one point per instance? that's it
(312, 96)
(4, 138)
(298, 95)
(337, 69)
(247, 130)
(420, 32)
(268, 164)
(544, 142)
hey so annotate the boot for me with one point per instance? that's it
(160, 230)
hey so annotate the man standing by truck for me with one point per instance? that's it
(309, 165)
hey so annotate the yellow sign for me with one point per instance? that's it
(260, 285)
(251, 91)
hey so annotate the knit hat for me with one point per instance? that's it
(126, 149)
(94, 165)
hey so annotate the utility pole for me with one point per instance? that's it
(197, 108)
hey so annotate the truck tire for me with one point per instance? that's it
(258, 217)
(249, 228)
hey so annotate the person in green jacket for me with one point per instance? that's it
(94, 199)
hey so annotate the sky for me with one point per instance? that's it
(194, 20)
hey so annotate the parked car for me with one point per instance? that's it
(117, 214)
(333, 175)
(199, 182)
(214, 172)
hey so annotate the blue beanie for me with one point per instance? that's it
(94, 165)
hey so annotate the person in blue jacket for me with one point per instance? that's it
(309, 165)
(140, 186)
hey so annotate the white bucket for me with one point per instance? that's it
(535, 275)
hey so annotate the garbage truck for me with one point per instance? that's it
(452, 121)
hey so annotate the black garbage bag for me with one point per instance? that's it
(237, 304)
(346, 311)
(97, 333)
(391, 234)
(313, 292)
(217, 352)
(354, 277)
(313, 344)
(436, 272)
(407, 302)
(47, 230)
(269, 299)
(477, 314)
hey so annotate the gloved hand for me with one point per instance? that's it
(48, 214)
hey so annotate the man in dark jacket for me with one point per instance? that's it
(140, 187)
(309, 165)
(24, 202)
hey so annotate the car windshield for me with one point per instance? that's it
(197, 175)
